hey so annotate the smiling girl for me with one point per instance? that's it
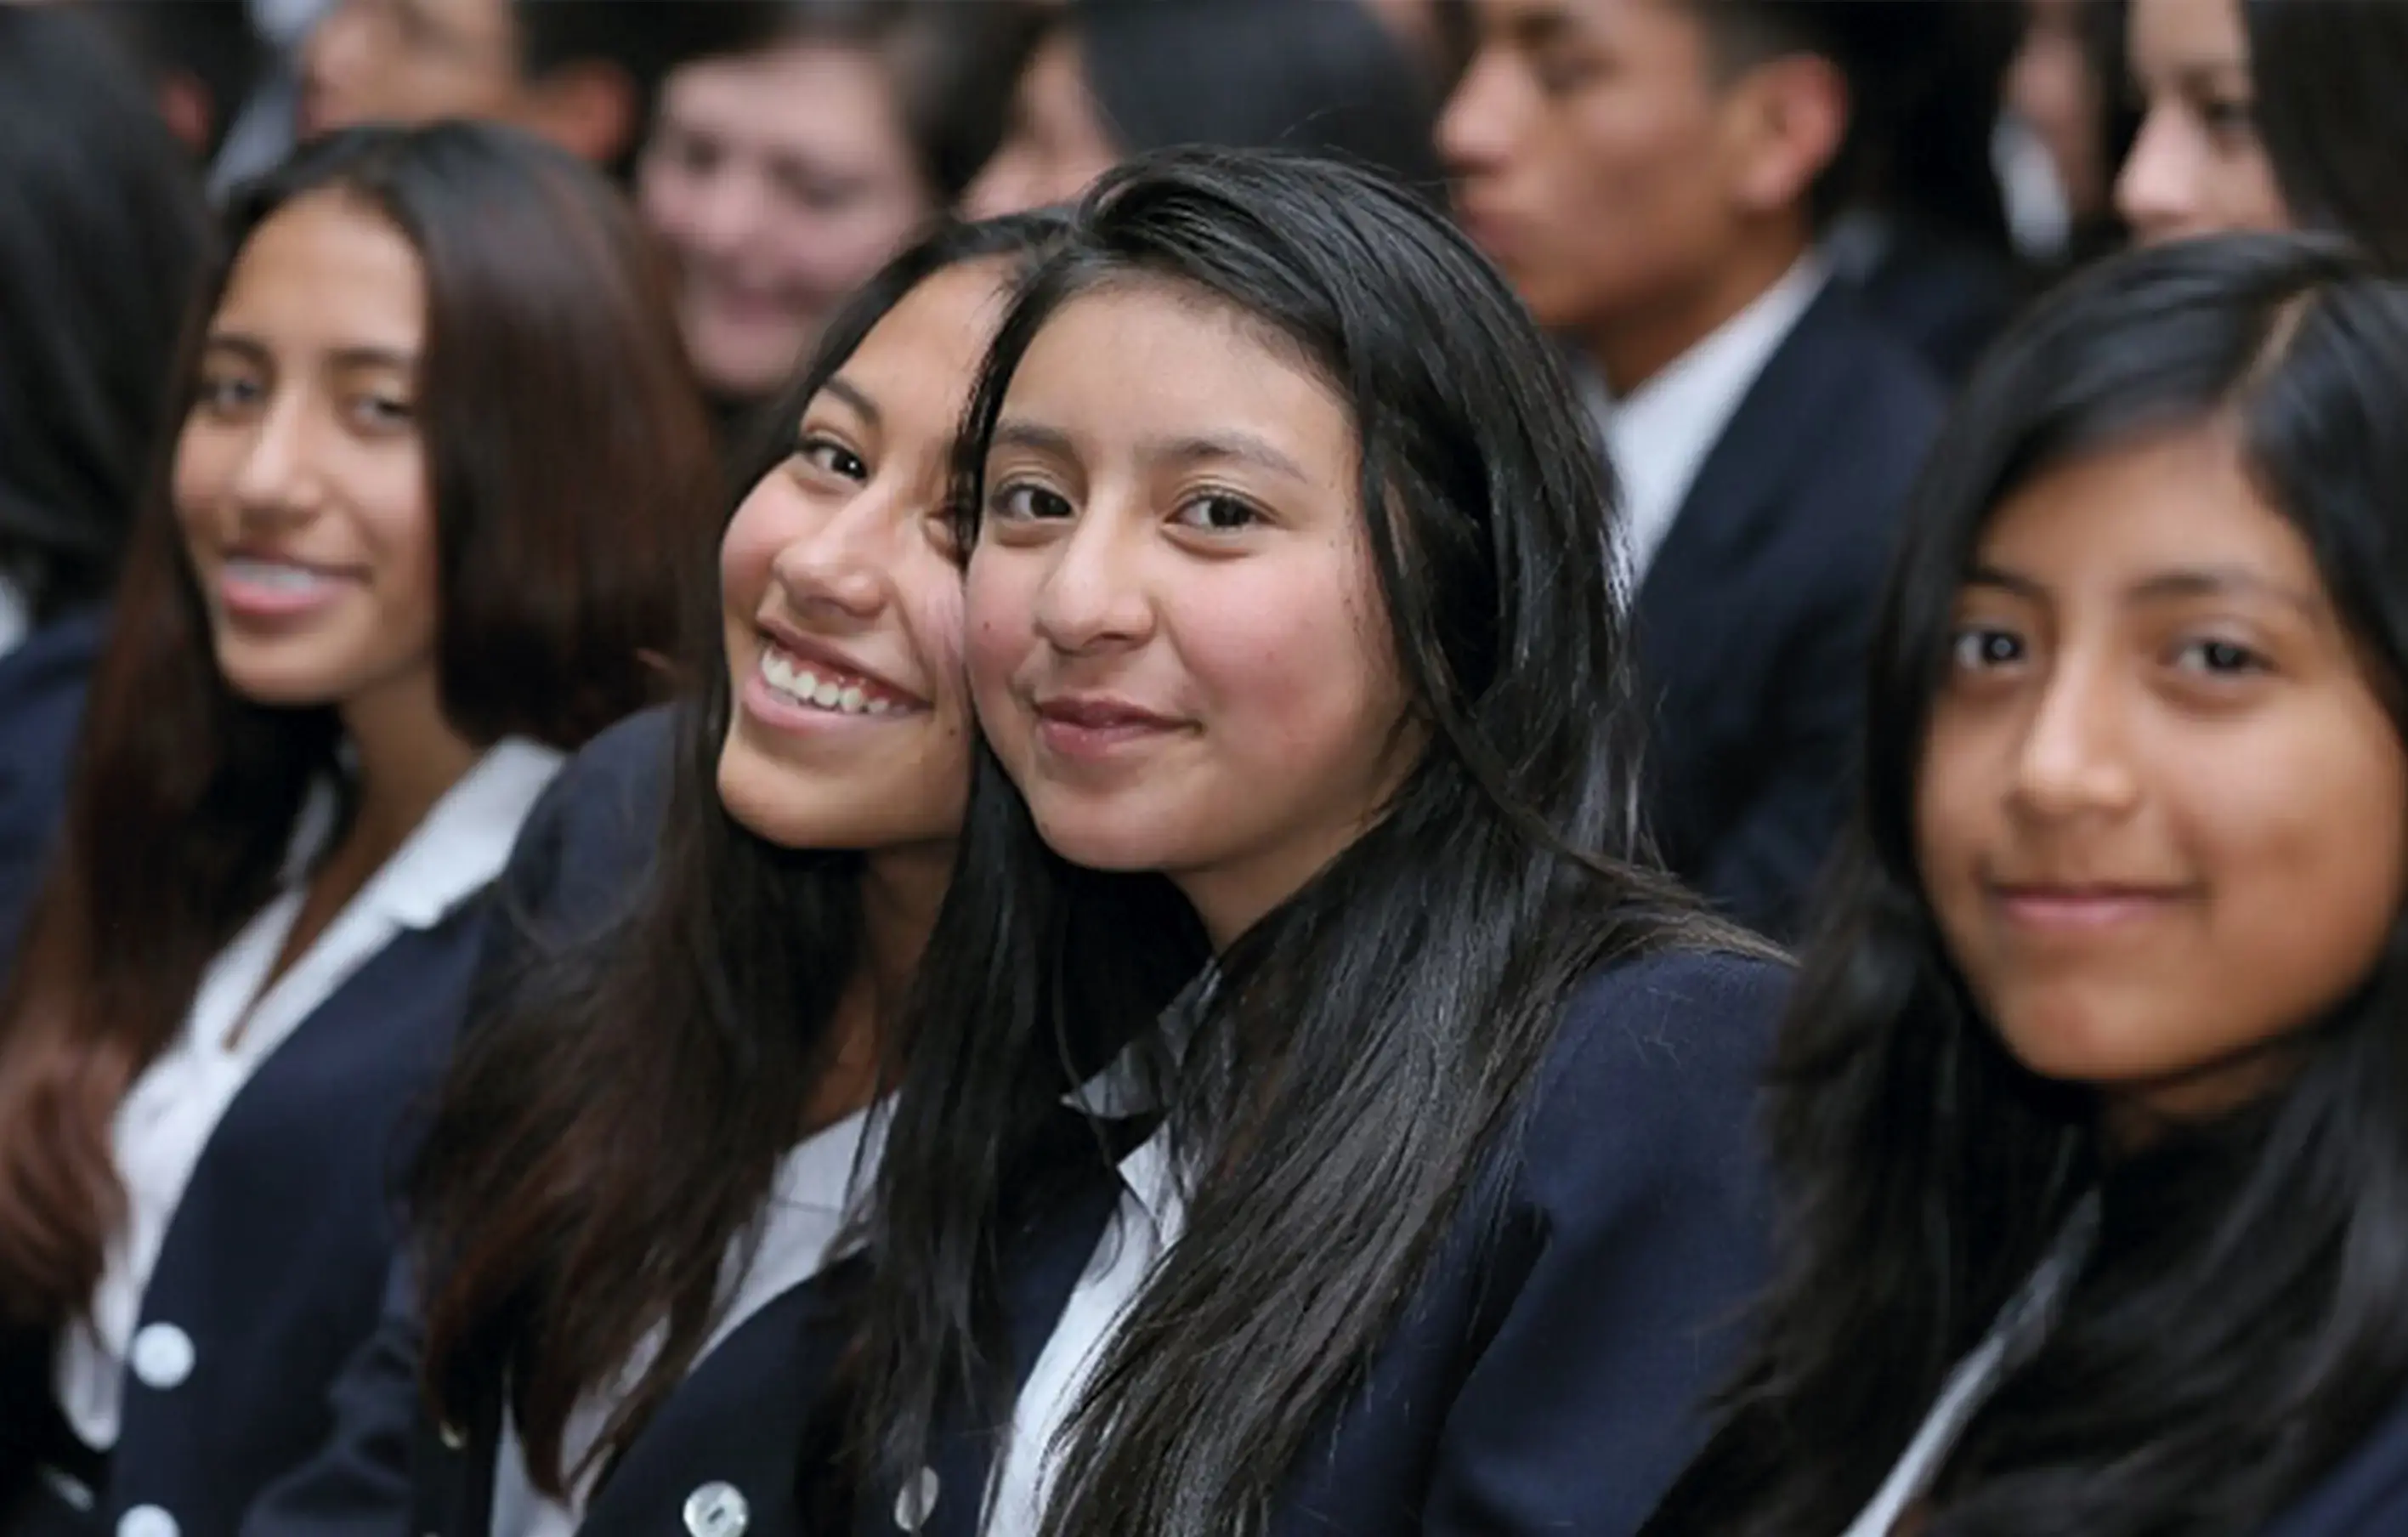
(433, 499)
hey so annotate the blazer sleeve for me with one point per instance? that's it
(1641, 1197)
(357, 1483)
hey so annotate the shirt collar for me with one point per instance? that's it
(1120, 1092)
(1659, 436)
(456, 849)
(16, 617)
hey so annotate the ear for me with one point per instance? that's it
(587, 106)
(184, 102)
(1791, 119)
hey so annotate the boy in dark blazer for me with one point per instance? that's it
(1653, 175)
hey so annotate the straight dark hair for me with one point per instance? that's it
(102, 240)
(2334, 116)
(566, 454)
(613, 1124)
(2240, 1325)
(1368, 1042)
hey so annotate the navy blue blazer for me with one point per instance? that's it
(41, 711)
(1755, 614)
(2367, 1496)
(578, 862)
(276, 1261)
(1549, 1371)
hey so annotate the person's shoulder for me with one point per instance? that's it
(598, 823)
(1657, 1060)
(2365, 1495)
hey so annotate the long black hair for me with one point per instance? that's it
(614, 1122)
(104, 238)
(1370, 1039)
(2333, 115)
(2241, 1322)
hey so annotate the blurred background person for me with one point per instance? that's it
(1653, 176)
(440, 485)
(2270, 114)
(102, 235)
(204, 57)
(1117, 77)
(783, 169)
(2068, 123)
(581, 73)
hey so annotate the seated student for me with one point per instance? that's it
(581, 73)
(2094, 1097)
(2270, 114)
(101, 250)
(1112, 78)
(1291, 618)
(434, 498)
(1650, 175)
(634, 1176)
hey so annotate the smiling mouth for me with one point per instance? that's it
(2085, 908)
(822, 685)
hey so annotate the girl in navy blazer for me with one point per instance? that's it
(432, 499)
(634, 1193)
(1292, 625)
(2094, 1100)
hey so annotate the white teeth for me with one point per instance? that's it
(804, 686)
(273, 576)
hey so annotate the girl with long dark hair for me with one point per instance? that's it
(432, 502)
(1293, 627)
(2093, 1102)
(631, 1199)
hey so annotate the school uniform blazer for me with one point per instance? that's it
(1548, 1373)
(2367, 1496)
(580, 860)
(1754, 616)
(41, 711)
(275, 1262)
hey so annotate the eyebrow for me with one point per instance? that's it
(2167, 586)
(1232, 447)
(851, 395)
(255, 351)
(1537, 28)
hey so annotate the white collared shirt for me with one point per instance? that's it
(1658, 439)
(1151, 1212)
(166, 1119)
(817, 1183)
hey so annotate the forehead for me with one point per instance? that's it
(2180, 499)
(327, 266)
(1606, 20)
(1132, 352)
(2188, 33)
(919, 361)
(803, 92)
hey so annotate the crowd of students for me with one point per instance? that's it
(1205, 767)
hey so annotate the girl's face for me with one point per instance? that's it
(300, 475)
(2162, 813)
(843, 602)
(1177, 640)
(2198, 167)
(779, 182)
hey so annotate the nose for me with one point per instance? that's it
(2074, 759)
(1093, 597)
(2157, 192)
(277, 478)
(834, 568)
(1476, 129)
(718, 211)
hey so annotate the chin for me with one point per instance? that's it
(1105, 843)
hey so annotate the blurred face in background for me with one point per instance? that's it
(779, 182)
(2198, 167)
(2055, 90)
(409, 61)
(300, 476)
(1056, 143)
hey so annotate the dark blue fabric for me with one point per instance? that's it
(41, 710)
(1754, 616)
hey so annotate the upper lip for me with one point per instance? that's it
(261, 555)
(1097, 711)
(2087, 890)
(788, 639)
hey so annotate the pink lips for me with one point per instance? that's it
(2077, 910)
(1095, 727)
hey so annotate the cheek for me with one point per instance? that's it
(1292, 659)
(998, 629)
(204, 468)
(747, 552)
